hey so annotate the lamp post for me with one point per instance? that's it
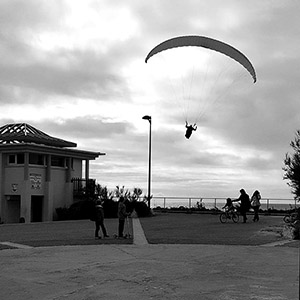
(149, 172)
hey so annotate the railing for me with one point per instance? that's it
(83, 187)
(196, 202)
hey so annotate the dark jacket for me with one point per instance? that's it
(122, 214)
(99, 213)
(245, 202)
(189, 131)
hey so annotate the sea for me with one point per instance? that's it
(210, 203)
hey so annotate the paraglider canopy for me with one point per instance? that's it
(196, 73)
(205, 42)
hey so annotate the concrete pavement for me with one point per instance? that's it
(145, 271)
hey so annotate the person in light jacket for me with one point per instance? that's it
(122, 215)
(255, 203)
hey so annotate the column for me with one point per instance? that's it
(69, 184)
(48, 168)
(87, 169)
(2, 200)
(26, 166)
(25, 209)
(48, 198)
(69, 169)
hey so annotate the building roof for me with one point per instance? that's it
(44, 149)
(19, 133)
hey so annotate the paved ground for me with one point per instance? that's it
(174, 228)
(141, 270)
(79, 232)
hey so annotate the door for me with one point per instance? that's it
(37, 208)
(13, 208)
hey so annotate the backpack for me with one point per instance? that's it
(255, 201)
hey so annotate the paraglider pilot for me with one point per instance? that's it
(189, 129)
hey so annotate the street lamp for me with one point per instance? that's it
(149, 172)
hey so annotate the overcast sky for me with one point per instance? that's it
(76, 70)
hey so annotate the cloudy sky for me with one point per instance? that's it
(76, 70)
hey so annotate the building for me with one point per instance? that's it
(37, 172)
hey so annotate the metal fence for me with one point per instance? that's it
(83, 187)
(196, 202)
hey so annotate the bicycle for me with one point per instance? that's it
(290, 218)
(229, 215)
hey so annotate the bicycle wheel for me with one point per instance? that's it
(293, 217)
(235, 217)
(223, 218)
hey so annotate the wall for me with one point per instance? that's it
(58, 192)
(77, 168)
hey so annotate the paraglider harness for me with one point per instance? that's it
(189, 129)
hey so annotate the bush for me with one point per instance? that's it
(142, 209)
(62, 213)
(110, 208)
(77, 211)
(81, 209)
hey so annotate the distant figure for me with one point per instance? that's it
(99, 220)
(200, 204)
(122, 215)
(189, 129)
(245, 204)
(255, 204)
(229, 205)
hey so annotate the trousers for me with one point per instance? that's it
(98, 225)
(121, 227)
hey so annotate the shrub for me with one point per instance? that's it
(142, 209)
(62, 213)
(77, 211)
(110, 208)
(81, 209)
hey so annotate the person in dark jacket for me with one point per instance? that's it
(122, 215)
(99, 220)
(245, 204)
(189, 129)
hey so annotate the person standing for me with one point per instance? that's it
(122, 215)
(255, 202)
(99, 220)
(245, 204)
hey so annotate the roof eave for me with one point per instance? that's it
(45, 149)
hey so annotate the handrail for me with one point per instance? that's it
(215, 201)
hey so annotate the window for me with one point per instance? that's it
(57, 161)
(69, 163)
(20, 159)
(16, 159)
(36, 159)
(12, 159)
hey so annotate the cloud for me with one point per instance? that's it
(76, 71)
(87, 73)
(76, 74)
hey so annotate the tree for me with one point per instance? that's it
(292, 166)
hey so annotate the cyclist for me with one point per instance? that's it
(229, 205)
(230, 212)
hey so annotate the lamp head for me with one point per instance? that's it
(147, 118)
